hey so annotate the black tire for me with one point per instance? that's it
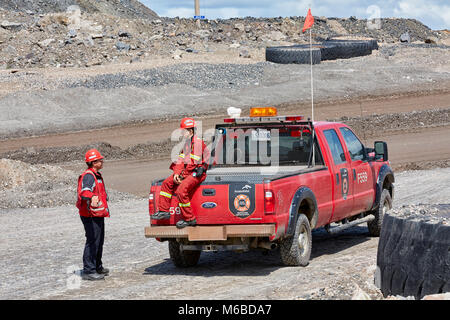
(296, 250)
(413, 258)
(327, 51)
(384, 206)
(372, 43)
(293, 54)
(183, 258)
(346, 49)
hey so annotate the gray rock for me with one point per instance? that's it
(72, 33)
(11, 25)
(97, 36)
(124, 34)
(45, 43)
(122, 46)
(405, 37)
(244, 54)
(202, 33)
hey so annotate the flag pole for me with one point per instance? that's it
(312, 95)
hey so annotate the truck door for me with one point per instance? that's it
(362, 180)
(340, 168)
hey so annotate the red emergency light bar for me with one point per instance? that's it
(264, 119)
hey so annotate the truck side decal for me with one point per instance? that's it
(344, 185)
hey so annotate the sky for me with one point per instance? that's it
(433, 13)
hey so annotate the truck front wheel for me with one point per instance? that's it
(182, 258)
(384, 206)
(296, 250)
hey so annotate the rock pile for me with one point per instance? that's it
(35, 186)
(130, 9)
(83, 38)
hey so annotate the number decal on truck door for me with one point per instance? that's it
(362, 177)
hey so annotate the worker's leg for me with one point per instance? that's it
(184, 193)
(91, 248)
(166, 193)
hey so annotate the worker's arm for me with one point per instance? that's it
(87, 189)
(198, 157)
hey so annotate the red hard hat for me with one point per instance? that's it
(187, 123)
(93, 155)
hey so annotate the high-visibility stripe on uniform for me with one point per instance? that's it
(184, 205)
(98, 209)
(165, 194)
(197, 158)
(181, 155)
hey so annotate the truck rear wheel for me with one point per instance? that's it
(384, 206)
(296, 250)
(182, 258)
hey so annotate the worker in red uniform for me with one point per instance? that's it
(93, 208)
(189, 171)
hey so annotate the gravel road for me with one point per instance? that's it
(39, 249)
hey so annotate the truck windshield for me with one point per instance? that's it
(263, 146)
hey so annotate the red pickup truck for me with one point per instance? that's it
(274, 179)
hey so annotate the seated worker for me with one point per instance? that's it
(189, 171)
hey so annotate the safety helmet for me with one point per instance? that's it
(92, 155)
(187, 123)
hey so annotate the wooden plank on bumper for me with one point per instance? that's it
(205, 233)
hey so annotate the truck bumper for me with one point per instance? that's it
(210, 233)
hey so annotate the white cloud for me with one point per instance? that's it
(424, 11)
(433, 13)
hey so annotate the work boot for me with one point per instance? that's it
(181, 224)
(92, 276)
(103, 271)
(160, 215)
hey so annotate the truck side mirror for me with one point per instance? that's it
(381, 150)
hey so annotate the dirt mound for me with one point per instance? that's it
(35, 186)
(130, 9)
(96, 36)
(76, 153)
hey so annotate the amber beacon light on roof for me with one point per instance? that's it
(264, 114)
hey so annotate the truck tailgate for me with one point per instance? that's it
(221, 203)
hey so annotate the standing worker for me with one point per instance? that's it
(189, 171)
(93, 208)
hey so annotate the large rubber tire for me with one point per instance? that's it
(327, 51)
(296, 250)
(384, 206)
(373, 44)
(346, 49)
(293, 54)
(185, 258)
(413, 258)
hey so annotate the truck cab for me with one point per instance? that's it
(271, 181)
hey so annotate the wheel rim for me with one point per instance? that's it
(303, 240)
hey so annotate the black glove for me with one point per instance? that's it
(198, 171)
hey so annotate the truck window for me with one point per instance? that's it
(354, 146)
(335, 146)
(240, 146)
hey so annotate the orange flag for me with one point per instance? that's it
(309, 21)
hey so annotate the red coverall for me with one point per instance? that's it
(194, 154)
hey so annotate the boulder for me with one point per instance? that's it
(11, 25)
(122, 46)
(405, 37)
(45, 43)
